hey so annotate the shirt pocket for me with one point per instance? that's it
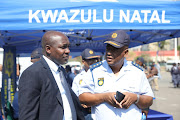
(131, 87)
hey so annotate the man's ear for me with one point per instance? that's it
(48, 49)
(126, 51)
(83, 61)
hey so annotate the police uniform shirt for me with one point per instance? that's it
(101, 79)
(77, 82)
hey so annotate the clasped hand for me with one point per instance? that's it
(128, 100)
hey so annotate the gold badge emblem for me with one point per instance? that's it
(114, 35)
(91, 52)
(80, 82)
(100, 81)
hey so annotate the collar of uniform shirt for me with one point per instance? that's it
(106, 66)
(82, 72)
(51, 64)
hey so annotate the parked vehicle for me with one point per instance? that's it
(75, 66)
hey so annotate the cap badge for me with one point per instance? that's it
(90, 52)
(100, 81)
(114, 35)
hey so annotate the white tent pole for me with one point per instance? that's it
(175, 50)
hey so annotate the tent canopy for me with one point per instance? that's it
(83, 14)
(27, 40)
(87, 23)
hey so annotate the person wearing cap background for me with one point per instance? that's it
(140, 61)
(88, 58)
(36, 55)
(99, 87)
(70, 75)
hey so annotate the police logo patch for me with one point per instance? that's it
(114, 35)
(80, 82)
(90, 52)
(100, 81)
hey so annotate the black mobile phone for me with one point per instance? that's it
(119, 96)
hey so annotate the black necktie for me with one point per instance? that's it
(68, 94)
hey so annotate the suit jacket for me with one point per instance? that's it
(39, 96)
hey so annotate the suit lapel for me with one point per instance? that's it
(53, 81)
(59, 99)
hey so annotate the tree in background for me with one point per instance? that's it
(161, 46)
(178, 48)
(131, 55)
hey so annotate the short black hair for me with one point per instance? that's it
(37, 53)
(68, 67)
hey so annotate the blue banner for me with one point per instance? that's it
(79, 14)
(8, 75)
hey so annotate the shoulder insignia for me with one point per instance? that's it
(95, 65)
(80, 82)
(136, 65)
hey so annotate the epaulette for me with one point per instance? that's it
(136, 65)
(95, 65)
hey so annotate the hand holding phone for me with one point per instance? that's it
(119, 96)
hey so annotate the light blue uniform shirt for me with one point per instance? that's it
(77, 82)
(130, 79)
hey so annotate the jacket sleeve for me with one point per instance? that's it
(29, 95)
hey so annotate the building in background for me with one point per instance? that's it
(154, 51)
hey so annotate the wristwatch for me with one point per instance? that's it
(137, 99)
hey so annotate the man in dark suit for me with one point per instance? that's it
(43, 94)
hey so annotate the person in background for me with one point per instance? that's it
(18, 67)
(35, 56)
(1, 67)
(154, 72)
(158, 67)
(140, 61)
(70, 75)
(114, 74)
(74, 70)
(178, 75)
(88, 58)
(15, 106)
(43, 90)
(174, 74)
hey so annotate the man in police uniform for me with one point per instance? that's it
(116, 74)
(88, 58)
(140, 61)
(174, 73)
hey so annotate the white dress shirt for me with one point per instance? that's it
(54, 69)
